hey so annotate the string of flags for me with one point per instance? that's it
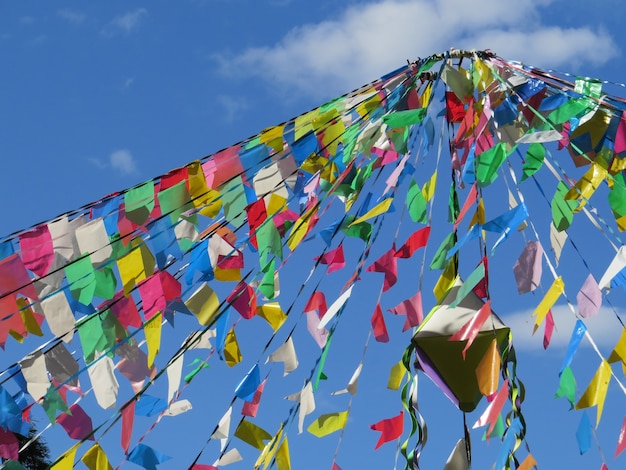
(287, 232)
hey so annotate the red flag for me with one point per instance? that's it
(390, 428)
(317, 302)
(251, 407)
(621, 440)
(416, 240)
(470, 330)
(334, 259)
(257, 214)
(243, 299)
(454, 108)
(335, 467)
(387, 264)
(471, 199)
(378, 325)
(128, 419)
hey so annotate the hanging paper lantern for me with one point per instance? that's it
(442, 359)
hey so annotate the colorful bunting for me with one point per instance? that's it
(112, 271)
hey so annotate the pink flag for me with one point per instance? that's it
(416, 240)
(589, 298)
(621, 440)
(243, 299)
(37, 250)
(128, 419)
(250, 408)
(15, 279)
(471, 199)
(547, 333)
(334, 259)
(384, 156)
(491, 413)
(9, 445)
(412, 308)
(387, 264)
(378, 325)
(470, 330)
(620, 136)
(390, 429)
(319, 334)
(125, 310)
(157, 292)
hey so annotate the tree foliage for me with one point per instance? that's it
(37, 455)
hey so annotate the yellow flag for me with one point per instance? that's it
(300, 229)
(273, 137)
(621, 223)
(332, 128)
(136, 265)
(252, 434)
(556, 290)
(152, 329)
(396, 375)
(208, 200)
(596, 390)
(302, 124)
(283, 460)
(618, 165)
(328, 424)
(66, 461)
(486, 77)
(488, 370)
(272, 314)
(479, 215)
(619, 352)
(378, 209)
(96, 459)
(28, 317)
(446, 281)
(269, 451)
(275, 204)
(428, 191)
(204, 304)
(587, 185)
(425, 98)
(227, 274)
(232, 354)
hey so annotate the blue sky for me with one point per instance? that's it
(99, 97)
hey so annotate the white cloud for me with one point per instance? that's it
(122, 160)
(232, 106)
(125, 23)
(367, 40)
(604, 329)
(128, 82)
(71, 16)
(27, 20)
